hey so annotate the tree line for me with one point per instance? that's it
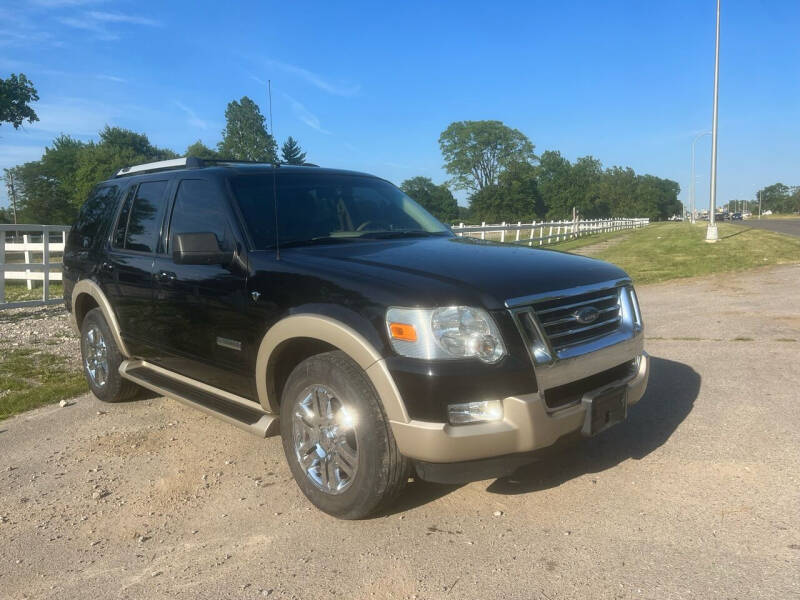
(506, 181)
(52, 189)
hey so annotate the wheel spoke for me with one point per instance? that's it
(343, 466)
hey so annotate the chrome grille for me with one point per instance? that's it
(567, 323)
(578, 319)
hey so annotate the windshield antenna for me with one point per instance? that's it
(274, 174)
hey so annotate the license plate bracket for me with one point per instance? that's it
(604, 409)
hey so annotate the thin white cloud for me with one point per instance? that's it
(107, 17)
(192, 119)
(64, 3)
(306, 116)
(113, 78)
(337, 89)
(258, 80)
(89, 25)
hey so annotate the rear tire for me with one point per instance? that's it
(337, 439)
(101, 360)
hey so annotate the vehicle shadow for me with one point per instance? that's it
(670, 396)
(669, 399)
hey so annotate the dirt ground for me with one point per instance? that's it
(697, 495)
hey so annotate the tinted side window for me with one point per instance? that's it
(95, 215)
(118, 239)
(147, 214)
(254, 194)
(199, 208)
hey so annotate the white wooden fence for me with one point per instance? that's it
(18, 246)
(546, 232)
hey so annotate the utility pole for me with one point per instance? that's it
(760, 194)
(12, 192)
(711, 233)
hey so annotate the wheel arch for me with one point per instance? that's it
(86, 295)
(303, 335)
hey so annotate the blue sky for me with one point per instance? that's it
(371, 87)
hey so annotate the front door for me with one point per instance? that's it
(201, 311)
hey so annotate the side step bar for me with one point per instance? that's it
(234, 409)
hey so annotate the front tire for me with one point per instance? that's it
(101, 360)
(337, 439)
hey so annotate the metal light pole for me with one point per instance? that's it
(691, 194)
(711, 232)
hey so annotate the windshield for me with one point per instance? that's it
(324, 207)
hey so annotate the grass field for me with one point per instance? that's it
(29, 379)
(17, 291)
(665, 251)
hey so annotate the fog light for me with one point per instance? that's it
(475, 412)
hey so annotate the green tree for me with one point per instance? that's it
(554, 181)
(476, 152)
(6, 215)
(437, 199)
(780, 198)
(200, 150)
(292, 153)
(52, 189)
(514, 198)
(245, 136)
(16, 94)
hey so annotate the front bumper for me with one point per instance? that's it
(527, 426)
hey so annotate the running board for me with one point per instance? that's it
(234, 409)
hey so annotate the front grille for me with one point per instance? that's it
(560, 318)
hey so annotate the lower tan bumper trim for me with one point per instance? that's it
(526, 426)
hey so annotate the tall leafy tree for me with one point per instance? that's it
(200, 150)
(476, 152)
(51, 189)
(437, 199)
(16, 94)
(245, 135)
(779, 198)
(292, 153)
(515, 197)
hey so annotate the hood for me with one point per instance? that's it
(496, 272)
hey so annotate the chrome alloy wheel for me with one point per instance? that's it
(325, 439)
(96, 356)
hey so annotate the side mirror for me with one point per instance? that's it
(198, 249)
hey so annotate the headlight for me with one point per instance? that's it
(445, 333)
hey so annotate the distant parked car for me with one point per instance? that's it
(736, 217)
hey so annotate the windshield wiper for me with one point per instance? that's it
(325, 239)
(399, 233)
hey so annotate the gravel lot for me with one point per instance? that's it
(695, 496)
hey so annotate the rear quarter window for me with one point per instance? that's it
(95, 216)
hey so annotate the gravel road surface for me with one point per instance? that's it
(697, 495)
(787, 226)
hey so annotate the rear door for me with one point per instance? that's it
(201, 312)
(126, 272)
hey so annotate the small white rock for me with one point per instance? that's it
(63, 403)
(498, 513)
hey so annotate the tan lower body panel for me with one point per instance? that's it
(527, 425)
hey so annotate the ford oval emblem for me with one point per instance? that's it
(586, 315)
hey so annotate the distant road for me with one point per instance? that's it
(787, 226)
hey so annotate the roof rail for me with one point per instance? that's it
(190, 162)
(161, 165)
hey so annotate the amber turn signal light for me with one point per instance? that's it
(403, 332)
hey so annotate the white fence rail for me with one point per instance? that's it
(21, 247)
(546, 232)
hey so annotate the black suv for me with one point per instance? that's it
(331, 308)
